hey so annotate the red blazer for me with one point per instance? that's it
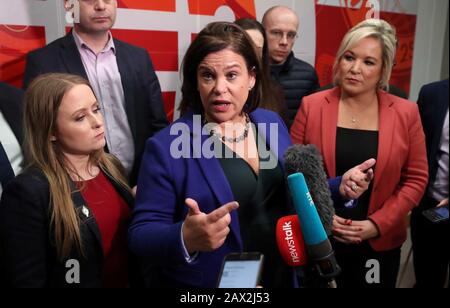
(401, 171)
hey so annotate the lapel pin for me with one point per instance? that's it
(85, 211)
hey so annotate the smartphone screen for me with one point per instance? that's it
(241, 271)
(442, 212)
(437, 214)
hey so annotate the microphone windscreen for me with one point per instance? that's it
(307, 160)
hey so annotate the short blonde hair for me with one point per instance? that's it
(376, 28)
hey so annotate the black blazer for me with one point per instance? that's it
(27, 250)
(433, 107)
(143, 101)
(11, 102)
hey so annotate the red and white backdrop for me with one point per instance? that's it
(166, 27)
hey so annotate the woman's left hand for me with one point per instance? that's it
(356, 180)
(368, 229)
(353, 232)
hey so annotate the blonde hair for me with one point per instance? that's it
(376, 28)
(42, 101)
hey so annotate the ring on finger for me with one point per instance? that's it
(354, 187)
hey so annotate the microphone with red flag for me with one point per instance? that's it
(290, 241)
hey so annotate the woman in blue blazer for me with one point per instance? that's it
(187, 217)
(213, 182)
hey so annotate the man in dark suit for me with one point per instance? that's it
(430, 241)
(11, 157)
(122, 76)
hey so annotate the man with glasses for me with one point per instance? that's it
(296, 77)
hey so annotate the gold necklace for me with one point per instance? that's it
(353, 119)
(347, 112)
(362, 116)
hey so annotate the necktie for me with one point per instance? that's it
(6, 172)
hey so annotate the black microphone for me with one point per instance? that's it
(305, 162)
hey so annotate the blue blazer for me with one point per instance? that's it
(163, 185)
(433, 107)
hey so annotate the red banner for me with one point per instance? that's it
(333, 22)
(241, 8)
(149, 5)
(15, 43)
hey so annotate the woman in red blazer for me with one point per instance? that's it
(354, 122)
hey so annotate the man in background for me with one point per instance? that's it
(296, 77)
(122, 76)
(430, 240)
